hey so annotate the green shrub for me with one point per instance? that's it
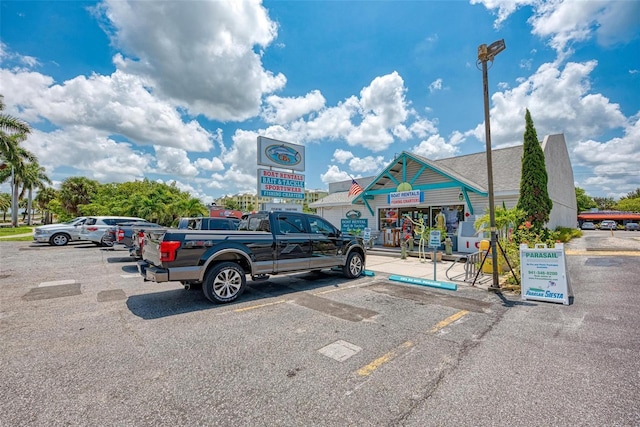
(565, 234)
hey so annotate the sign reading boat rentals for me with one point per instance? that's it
(544, 274)
(405, 197)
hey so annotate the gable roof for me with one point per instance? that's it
(339, 198)
(467, 171)
(396, 172)
(506, 166)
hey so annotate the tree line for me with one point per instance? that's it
(153, 201)
(79, 196)
(628, 203)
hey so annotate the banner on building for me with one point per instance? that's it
(412, 197)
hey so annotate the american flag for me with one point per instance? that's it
(355, 188)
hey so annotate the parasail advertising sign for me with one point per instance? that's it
(544, 274)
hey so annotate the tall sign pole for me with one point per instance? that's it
(485, 54)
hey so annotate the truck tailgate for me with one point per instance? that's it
(151, 246)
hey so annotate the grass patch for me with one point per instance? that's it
(9, 231)
(17, 239)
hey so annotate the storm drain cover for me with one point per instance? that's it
(111, 295)
(52, 291)
(340, 350)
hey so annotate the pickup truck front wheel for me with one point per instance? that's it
(224, 282)
(354, 266)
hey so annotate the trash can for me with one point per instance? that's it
(487, 267)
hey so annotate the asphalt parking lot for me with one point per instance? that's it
(87, 342)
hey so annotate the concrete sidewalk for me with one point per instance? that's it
(445, 271)
(16, 235)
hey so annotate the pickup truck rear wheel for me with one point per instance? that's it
(354, 266)
(224, 282)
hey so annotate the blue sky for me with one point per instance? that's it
(179, 90)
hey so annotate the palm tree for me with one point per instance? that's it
(22, 204)
(42, 199)
(33, 177)
(12, 132)
(5, 204)
(188, 207)
(10, 126)
(19, 161)
(153, 209)
(76, 191)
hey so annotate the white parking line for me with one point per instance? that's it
(57, 283)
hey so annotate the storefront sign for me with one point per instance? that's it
(353, 214)
(284, 185)
(544, 274)
(351, 225)
(413, 197)
(280, 154)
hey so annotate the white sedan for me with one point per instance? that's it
(59, 234)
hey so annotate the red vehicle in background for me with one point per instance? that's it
(218, 212)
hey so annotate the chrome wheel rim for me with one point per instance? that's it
(59, 240)
(356, 265)
(227, 283)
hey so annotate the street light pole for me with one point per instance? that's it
(485, 54)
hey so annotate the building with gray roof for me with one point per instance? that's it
(456, 186)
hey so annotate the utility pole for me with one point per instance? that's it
(486, 54)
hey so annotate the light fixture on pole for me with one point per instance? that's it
(486, 54)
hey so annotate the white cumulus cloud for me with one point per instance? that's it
(202, 56)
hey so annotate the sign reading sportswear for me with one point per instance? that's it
(544, 274)
(283, 185)
(406, 197)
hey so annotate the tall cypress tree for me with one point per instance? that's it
(534, 197)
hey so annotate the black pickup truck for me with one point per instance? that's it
(265, 244)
